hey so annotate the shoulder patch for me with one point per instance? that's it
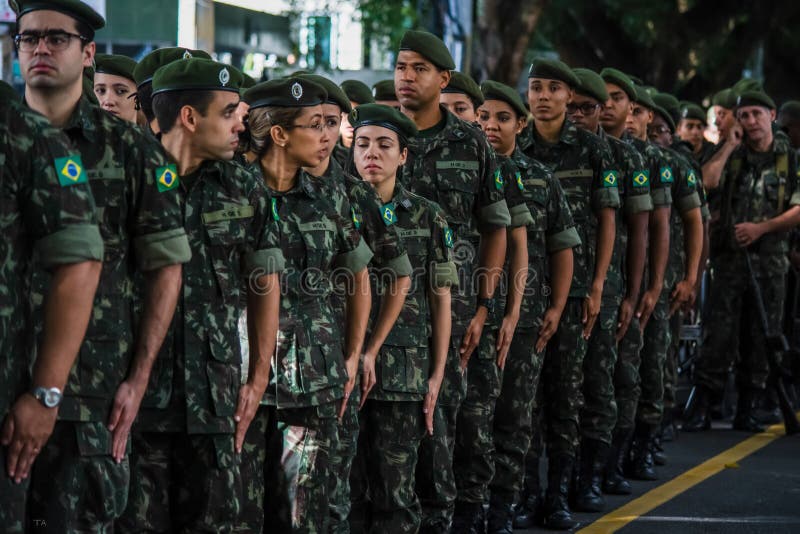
(518, 176)
(691, 178)
(70, 171)
(498, 179)
(641, 178)
(356, 222)
(448, 237)
(666, 175)
(167, 178)
(388, 214)
(610, 178)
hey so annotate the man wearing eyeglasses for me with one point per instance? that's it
(80, 479)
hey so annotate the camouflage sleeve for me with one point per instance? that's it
(442, 270)
(159, 237)
(560, 232)
(513, 187)
(491, 208)
(353, 253)
(684, 190)
(57, 210)
(384, 241)
(264, 255)
(637, 191)
(605, 183)
(792, 180)
(660, 190)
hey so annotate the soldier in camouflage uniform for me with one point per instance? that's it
(357, 93)
(758, 204)
(408, 370)
(451, 163)
(383, 92)
(50, 215)
(390, 259)
(197, 410)
(582, 163)
(599, 414)
(142, 230)
(461, 97)
(474, 446)
(315, 367)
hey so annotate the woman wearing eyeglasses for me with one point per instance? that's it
(311, 378)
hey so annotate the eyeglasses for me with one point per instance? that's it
(659, 130)
(55, 40)
(586, 108)
(319, 126)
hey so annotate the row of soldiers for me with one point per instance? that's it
(284, 307)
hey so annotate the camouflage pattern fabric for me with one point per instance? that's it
(627, 388)
(599, 413)
(340, 154)
(44, 215)
(253, 469)
(671, 365)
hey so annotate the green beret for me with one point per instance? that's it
(8, 93)
(591, 84)
(643, 98)
(790, 111)
(620, 79)
(196, 74)
(247, 81)
(156, 59)
(635, 79)
(384, 90)
(379, 115)
(428, 45)
(552, 69)
(747, 84)
(498, 91)
(668, 106)
(74, 8)
(336, 96)
(291, 92)
(725, 98)
(690, 110)
(463, 84)
(114, 64)
(755, 98)
(357, 92)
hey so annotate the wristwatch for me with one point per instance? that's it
(49, 397)
(487, 303)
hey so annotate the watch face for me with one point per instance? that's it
(52, 397)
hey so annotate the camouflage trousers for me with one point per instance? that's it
(392, 432)
(341, 465)
(627, 387)
(657, 335)
(182, 483)
(435, 482)
(671, 365)
(254, 473)
(513, 414)
(599, 413)
(76, 486)
(12, 499)
(733, 326)
(473, 463)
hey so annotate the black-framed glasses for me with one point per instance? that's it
(659, 130)
(319, 127)
(586, 108)
(55, 40)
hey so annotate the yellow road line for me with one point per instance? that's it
(654, 498)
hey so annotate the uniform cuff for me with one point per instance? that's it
(496, 215)
(520, 216)
(564, 239)
(444, 275)
(607, 197)
(661, 197)
(356, 259)
(160, 249)
(267, 261)
(72, 244)
(689, 202)
(638, 203)
(399, 266)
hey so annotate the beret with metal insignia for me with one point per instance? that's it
(384, 90)
(552, 69)
(114, 64)
(620, 79)
(690, 110)
(725, 98)
(73, 8)
(498, 91)
(429, 46)
(668, 107)
(380, 115)
(357, 92)
(463, 84)
(336, 96)
(591, 84)
(196, 75)
(755, 98)
(156, 59)
(643, 98)
(291, 92)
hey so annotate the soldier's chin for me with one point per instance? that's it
(43, 81)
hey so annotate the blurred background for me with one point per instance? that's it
(691, 48)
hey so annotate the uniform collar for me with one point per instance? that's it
(519, 157)
(401, 197)
(568, 135)
(84, 119)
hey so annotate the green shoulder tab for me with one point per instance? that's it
(449, 239)
(167, 178)
(666, 175)
(610, 178)
(388, 214)
(356, 222)
(498, 179)
(641, 178)
(70, 171)
(518, 176)
(275, 216)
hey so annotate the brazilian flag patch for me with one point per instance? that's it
(167, 178)
(275, 216)
(692, 179)
(609, 178)
(641, 178)
(388, 214)
(666, 175)
(498, 180)
(70, 171)
(518, 176)
(448, 238)
(356, 222)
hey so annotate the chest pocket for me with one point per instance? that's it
(536, 199)
(226, 231)
(577, 188)
(455, 184)
(417, 243)
(321, 249)
(108, 190)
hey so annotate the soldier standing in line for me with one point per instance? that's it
(114, 85)
(357, 93)
(384, 94)
(461, 97)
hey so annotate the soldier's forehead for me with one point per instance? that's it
(46, 20)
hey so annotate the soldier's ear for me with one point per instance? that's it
(88, 54)
(403, 155)
(280, 136)
(188, 118)
(772, 115)
(445, 81)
